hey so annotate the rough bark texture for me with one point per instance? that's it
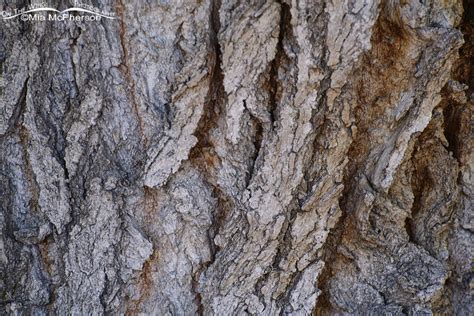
(230, 157)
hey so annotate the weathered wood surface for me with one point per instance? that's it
(230, 157)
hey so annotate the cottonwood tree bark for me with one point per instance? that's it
(231, 157)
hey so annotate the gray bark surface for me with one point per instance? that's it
(227, 157)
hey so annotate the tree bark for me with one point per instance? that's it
(238, 157)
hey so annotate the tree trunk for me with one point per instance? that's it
(231, 157)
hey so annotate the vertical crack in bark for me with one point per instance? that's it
(464, 73)
(457, 124)
(127, 70)
(273, 81)
(72, 48)
(420, 182)
(272, 84)
(388, 40)
(203, 154)
(195, 289)
(283, 250)
(14, 121)
(257, 144)
(23, 134)
(319, 119)
(274, 87)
